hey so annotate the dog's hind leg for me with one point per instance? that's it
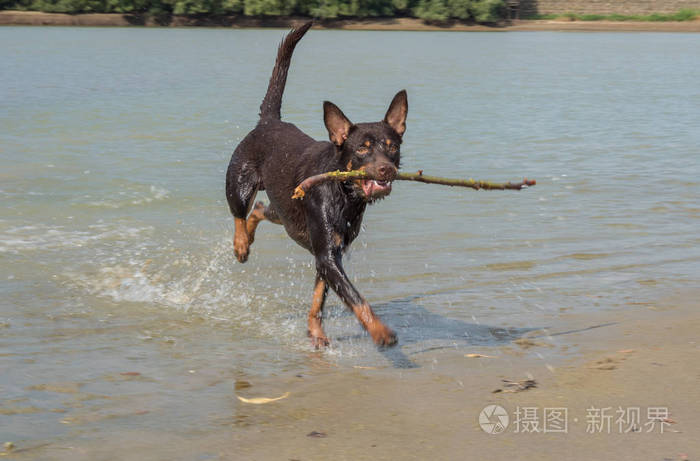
(318, 337)
(242, 183)
(241, 240)
(260, 213)
(253, 220)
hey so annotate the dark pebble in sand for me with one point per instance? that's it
(318, 435)
(516, 386)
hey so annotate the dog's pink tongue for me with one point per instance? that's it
(367, 187)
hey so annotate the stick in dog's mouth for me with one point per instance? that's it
(363, 178)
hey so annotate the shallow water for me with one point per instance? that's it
(115, 238)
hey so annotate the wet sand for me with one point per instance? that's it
(632, 359)
(121, 20)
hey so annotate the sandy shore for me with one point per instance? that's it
(633, 360)
(642, 358)
(121, 20)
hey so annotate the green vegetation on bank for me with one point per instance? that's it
(682, 15)
(481, 11)
(431, 10)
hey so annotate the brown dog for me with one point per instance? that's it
(276, 156)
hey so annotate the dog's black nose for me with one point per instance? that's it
(386, 171)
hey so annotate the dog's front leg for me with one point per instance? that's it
(330, 268)
(318, 337)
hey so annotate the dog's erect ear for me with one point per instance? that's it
(337, 123)
(396, 115)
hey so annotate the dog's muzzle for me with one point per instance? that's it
(380, 187)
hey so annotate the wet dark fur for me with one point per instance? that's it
(276, 156)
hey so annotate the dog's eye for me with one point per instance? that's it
(363, 151)
(393, 149)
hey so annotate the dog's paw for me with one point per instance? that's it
(241, 256)
(385, 337)
(318, 338)
(318, 342)
(241, 250)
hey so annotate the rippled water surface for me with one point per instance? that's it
(115, 238)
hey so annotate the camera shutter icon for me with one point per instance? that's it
(493, 419)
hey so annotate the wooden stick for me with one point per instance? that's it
(338, 175)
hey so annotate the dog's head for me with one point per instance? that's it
(373, 147)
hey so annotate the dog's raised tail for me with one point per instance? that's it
(272, 103)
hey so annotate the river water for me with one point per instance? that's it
(119, 289)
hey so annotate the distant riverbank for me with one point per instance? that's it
(35, 18)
